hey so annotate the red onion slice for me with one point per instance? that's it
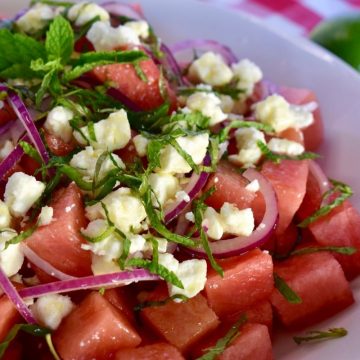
(241, 244)
(24, 116)
(210, 45)
(12, 159)
(44, 265)
(14, 296)
(6, 127)
(89, 282)
(320, 177)
(117, 9)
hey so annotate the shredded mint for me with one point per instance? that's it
(21, 237)
(316, 335)
(30, 151)
(228, 90)
(343, 250)
(276, 158)
(344, 191)
(159, 303)
(285, 290)
(51, 347)
(224, 342)
(28, 328)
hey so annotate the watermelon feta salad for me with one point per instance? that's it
(158, 201)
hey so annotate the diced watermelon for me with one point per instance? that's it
(260, 313)
(94, 330)
(289, 182)
(181, 324)
(14, 351)
(9, 316)
(247, 280)
(59, 243)
(58, 146)
(159, 351)
(229, 187)
(313, 134)
(252, 343)
(341, 227)
(286, 241)
(321, 284)
(145, 94)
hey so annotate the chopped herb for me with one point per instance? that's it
(224, 342)
(30, 151)
(231, 91)
(276, 158)
(343, 250)
(140, 72)
(316, 335)
(102, 291)
(285, 290)
(28, 328)
(51, 347)
(21, 237)
(339, 187)
(147, 304)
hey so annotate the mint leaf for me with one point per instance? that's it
(285, 290)
(82, 69)
(59, 42)
(316, 335)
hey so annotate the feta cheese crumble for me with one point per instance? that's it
(285, 147)
(111, 134)
(11, 258)
(104, 37)
(140, 143)
(5, 218)
(246, 141)
(36, 18)
(230, 220)
(84, 12)
(140, 27)
(21, 193)
(49, 310)
(253, 186)
(208, 104)
(46, 215)
(165, 187)
(247, 75)
(85, 161)
(210, 68)
(126, 210)
(172, 162)
(57, 123)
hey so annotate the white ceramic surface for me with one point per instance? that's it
(294, 62)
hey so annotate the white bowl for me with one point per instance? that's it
(289, 61)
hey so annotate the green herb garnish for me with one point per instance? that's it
(285, 290)
(147, 304)
(316, 335)
(343, 250)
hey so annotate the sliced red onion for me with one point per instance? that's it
(89, 282)
(15, 298)
(117, 9)
(6, 127)
(209, 45)
(241, 244)
(24, 116)
(44, 265)
(321, 178)
(12, 159)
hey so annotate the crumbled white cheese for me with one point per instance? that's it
(208, 104)
(189, 216)
(11, 258)
(253, 186)
(125, 209)
(46, 215)
(50, 309)
(111, 134)
(172, 162)
(235, 221)
(140, 27)
(246, 141)
(167, 260)
(5, 218)
(182, 196)
(276, 112)
(303, 114)
(85, 161)
(210, 68)
(36, 18)
(140, 143)
(57, 123)
(227, 103)
(285, 147)
(21, 193)
(213, 223)
(165, 187)
(6, 149)
(104, 37)
(84, 12)
(101, 265)
(247, 75)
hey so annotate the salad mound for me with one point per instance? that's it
(158, 201)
